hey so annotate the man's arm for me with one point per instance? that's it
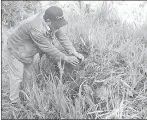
(65, 42)
(45, 45)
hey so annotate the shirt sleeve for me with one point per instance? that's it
(45, 45)
(65, 42)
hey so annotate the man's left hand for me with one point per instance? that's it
(79, 56)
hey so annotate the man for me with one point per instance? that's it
(33, 36)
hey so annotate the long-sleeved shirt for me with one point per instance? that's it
(30, 38)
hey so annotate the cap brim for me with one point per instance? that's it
(59, 23)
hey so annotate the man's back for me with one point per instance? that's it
(29, 19)
(20, 44)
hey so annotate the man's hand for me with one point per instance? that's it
(72, 60)
(79, 56)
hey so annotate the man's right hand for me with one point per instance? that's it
(72, 60)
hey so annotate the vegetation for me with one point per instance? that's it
(111, 83)
(15, 11)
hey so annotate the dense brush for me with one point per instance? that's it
(111, 83)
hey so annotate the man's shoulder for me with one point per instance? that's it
(36, 21)
(29, 20)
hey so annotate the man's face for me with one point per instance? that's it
(49, 23)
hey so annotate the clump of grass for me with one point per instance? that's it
(109, 84)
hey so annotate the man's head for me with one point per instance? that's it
(54, 17)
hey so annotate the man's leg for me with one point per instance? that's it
(28, 75)
(15, 76)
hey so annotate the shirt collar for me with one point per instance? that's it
(44, 23)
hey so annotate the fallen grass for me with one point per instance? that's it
(109, 84)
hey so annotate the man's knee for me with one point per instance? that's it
(28, 71)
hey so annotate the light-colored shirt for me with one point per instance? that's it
(32, 37)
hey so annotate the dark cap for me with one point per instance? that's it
(55, 15)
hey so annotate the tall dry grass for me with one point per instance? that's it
(111, 83)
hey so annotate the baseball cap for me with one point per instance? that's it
(55, 15)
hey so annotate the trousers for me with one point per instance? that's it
(19, 74)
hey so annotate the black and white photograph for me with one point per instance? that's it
(73, 59)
